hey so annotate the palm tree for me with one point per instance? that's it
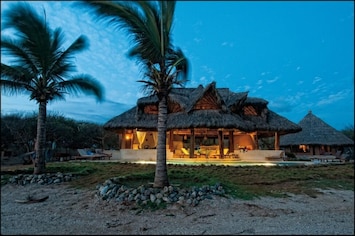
(149, 24)
(41, 67)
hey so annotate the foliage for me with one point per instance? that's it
(349, 131)
(19, 131)
(290, 155)
(267, 143)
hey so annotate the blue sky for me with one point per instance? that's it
(299, 56)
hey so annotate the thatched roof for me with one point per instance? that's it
(226, 109)
(315, 132)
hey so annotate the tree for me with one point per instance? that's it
(41, 67)
(349, 131)
(18, 132)
(149, 26)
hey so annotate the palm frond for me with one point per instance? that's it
(18, 52)
(10, 87)
(39, 59)
(138, 19)
(83, 84)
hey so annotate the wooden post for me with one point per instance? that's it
(192, 143)
(277, 141)
(256, 141)
(231, 142)
(221, 143)
(123, 139)
(171, 141)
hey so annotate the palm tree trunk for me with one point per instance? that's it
(161, 173)
(40, 146)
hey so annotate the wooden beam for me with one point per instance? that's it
(277, 141)
(192, 143)
(231, 141)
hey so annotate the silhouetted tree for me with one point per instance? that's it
(41, 67)
(149, 24)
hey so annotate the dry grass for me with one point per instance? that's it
(243, 182)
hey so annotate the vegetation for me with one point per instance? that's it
(149, 24)
(41, 67)
(240, 182)
(349, 131)
(18, 133)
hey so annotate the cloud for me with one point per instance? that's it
(332, 98)
(322, 88)
(280, 106)
(265, 73)
(197, 40)
(227, 44)
(247, 88)
(271, 81)
(286, 103)
(210, 74)
(316, 79)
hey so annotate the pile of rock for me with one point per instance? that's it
(48, 178)
(112, 190)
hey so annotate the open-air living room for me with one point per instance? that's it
(142, 146)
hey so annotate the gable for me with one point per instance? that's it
(208, 99)
(250, 110)
(151, 109)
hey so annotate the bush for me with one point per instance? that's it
(290, 156)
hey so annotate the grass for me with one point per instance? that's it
(246, 182)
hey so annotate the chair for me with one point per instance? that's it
(87, 154)
(225, 152)
(217, 153)
(228, 154)
(185, 153)
(100, 152)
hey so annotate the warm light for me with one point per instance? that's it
(128, 136)
(303, 147)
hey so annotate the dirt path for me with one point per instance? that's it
(70, 211)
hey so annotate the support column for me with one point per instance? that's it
(256, 141)
(277, 141)
(171, 141)
(231, 142)
(221, 143)
(192, 143)
(123, 140)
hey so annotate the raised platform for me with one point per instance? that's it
(262, 155)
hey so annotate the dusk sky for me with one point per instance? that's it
(298, 56)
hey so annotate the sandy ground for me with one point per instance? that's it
(70, 211)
